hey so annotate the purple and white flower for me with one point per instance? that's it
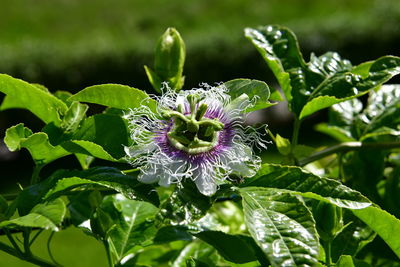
(197, 134)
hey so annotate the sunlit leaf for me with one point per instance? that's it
(298, 181)
(281, 225)
(38, 144)
(24, 95)
(114, 95)
(384, 224)
(257, 90)
(47, 216)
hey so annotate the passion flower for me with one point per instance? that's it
(196, 134)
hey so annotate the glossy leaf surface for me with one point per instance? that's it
(296, 180)
(281, 225)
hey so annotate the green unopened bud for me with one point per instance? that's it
(170, 58)
(329, 220)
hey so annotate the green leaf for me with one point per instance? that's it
(24, 95)
(352, 238)
(384, 224)
(338, 133)
(346, 85)
(298, 181)
(349, 261)
(47, 216)
(185, 205)
(171, 233)
(104, 176)
(328, 64)
(108, 131)
(38, 144)
(82, 206)
(283, 145)
(383, 110)
(194, 250)
(255, 90)
(114, 95)
(234, 248)
(3, 208)
(87, 148)
(281, 225)
(279, 48)
(73, 117)
(133, 226)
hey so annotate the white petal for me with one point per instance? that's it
(204, 181)
(136, 150)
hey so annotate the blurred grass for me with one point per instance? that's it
(70, 247)
(63, 43)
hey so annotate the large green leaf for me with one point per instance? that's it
(346, 85)
(258, 91)
(87, 148)
(325, 80)
(47, 216)
(234, 248)
(298, 181)
(384, 224)
(114, 95)
(282, 226)
(133, 226)
(24, 95)
(108, 131)
(104, 176)
(38, 144)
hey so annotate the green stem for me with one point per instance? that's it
(328, 258)
(29, 258)
(295, 135)
(345, 147)
(35, 175)
(295, 139)
(12, 241)
(49, 249)
(108, 253)
(130, 171)
(27, 245)
(271, 135)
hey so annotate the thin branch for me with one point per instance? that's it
(345, 147)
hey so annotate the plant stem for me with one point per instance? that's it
(108, 253)
(130, 171)
(328, 259)
(35, 175)
(271, 135)
(29, 258)
(295, 139)
(295, 135)
(345, 147)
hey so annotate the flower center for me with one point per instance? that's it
(193, 133)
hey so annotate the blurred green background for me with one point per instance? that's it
(71, 44)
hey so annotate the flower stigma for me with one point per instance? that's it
(195, 134)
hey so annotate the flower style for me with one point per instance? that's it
(197, 134)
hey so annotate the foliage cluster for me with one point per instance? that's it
(322, 206)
